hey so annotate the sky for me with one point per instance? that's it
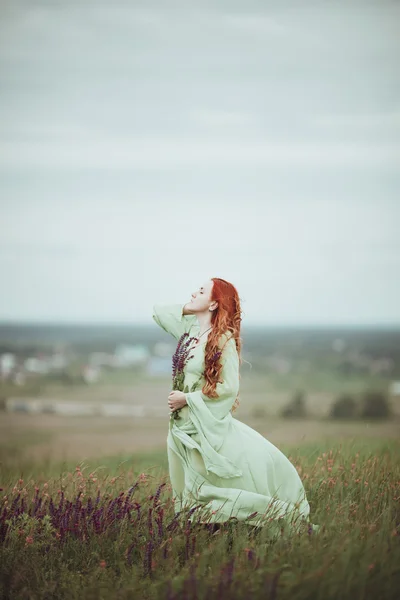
(146, 147)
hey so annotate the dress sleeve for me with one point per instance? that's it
(210, 410)
(170, 317)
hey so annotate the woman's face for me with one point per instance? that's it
(201, 298)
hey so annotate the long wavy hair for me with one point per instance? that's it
(225, 318)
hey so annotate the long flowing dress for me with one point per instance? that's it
(217, 461)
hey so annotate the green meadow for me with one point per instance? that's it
(106, 528)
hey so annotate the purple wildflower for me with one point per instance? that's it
(179, 360)
(158, 493)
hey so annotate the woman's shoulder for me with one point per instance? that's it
(226, 339)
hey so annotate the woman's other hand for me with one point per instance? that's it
(176, 400)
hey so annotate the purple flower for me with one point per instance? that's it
(179, 360)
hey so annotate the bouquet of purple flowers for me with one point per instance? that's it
(179, 361)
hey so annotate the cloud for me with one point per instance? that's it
(222, 118)
(254, 23)
(368, 123)
(111, 152)
(121, 122)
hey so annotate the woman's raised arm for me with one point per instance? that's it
(173, 318)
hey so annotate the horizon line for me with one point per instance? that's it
(110, 323)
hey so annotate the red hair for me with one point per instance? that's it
(225, 319)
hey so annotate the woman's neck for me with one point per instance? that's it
(204, 322)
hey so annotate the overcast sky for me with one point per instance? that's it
(148, 146)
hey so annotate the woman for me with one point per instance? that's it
(214, 459)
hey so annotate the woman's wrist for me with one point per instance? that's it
(185, 309)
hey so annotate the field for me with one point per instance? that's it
(45, 436)
(86, 512)
(86, 509)
(106, 528)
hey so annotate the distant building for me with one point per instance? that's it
(91, 374)
(57, 362)
(37, 365)
(128, 356)
(7, 364)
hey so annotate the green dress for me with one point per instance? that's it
(217, 461)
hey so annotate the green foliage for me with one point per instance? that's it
(372, 405)
(344, 407)
(259, 412)
(375, 405)
(296, 409)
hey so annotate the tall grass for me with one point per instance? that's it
(109, 530)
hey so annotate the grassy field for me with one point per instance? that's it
(86, 509)
(102, 524)
(48, 437)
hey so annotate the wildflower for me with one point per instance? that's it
(179, 360)
(371, 566)
(102, 564)
(29, 539)
(142, 477)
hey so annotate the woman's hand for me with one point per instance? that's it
(176, 400)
